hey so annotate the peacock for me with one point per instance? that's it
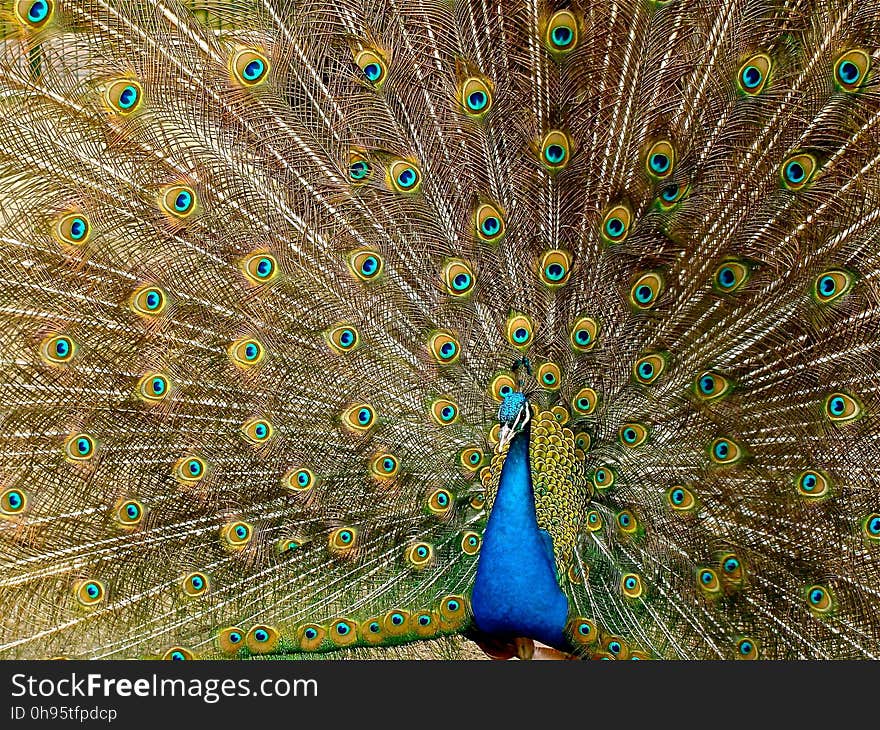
(439, 328)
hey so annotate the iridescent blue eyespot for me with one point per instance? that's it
(659, 162)
(310, 633)
(555, 153)
(346, 536)
(827, 285)
(722, 449)
(614, 647)
(670, 193)
(369, 265)
(78, 228)
(837, 406)
(555, 272)
(406, 178)
(364, 416)
(128, 97)
(816, 596)
(849, 72)
(359, 170)
(477, 100)
(424, 620)
(254, 69)
(745, 648)
(614, 227)
(197, 583)
(644, 293)
(261, 635)
(461, 281)
(397, 619)
(490, 226)
(677, 495)
(183, 201)
(794, 172)
(265, 267)
(38, 11)
(630, 583)
(15, 499)
(374, 627)
(751, 77)
(562, 36)
(132, 511)
(646, 370)
(234, 637)
(447, 350)
(706, 577)
(730, 565)
(373, 71)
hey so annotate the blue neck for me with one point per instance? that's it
(516, 593)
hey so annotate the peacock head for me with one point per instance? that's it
(514, 413)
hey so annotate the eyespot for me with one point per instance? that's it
(615, 646)
(195, 584)
(562, 32)
(342, 541)
(444, 348)
(871, 527)
(603, 478)
(190, 469)
(471, 458)
(831, 285)
(707, 580)
(649, 367)
(680, 499)
(396, 622)
(289, 543)
(560, 413)
(371, 631)
(299, 480)
(554, 268)
(475, 96)
(80, 447)
(148, 301)
(440, 502)
(249, 67)
(819, 599)
(419, 555)
(730, 276)
(583, 441)
(731, 567)
(583, 334)
(851, 68)
(616, 223)
(258, 431)
(501, 386)
(89, 592)
(444, 411)
(426, 624)
(812, 484)
(660, 160)
(555, 150)
(236, 534)
(373, 66)
(34, 13)
(646, 290)
(343, 338)
(311, 636)
(453, 612)
(342, 632)
(725, 451)
(458, 278)
(631, 585)
(74, 229)
(230, 639)
(129, 513)
(470, 543)
(584, 401)
(797, 171)
(489, 222)
(841, 407)
(594, 521)
(178, 200)
(260, 267)
(359, 169)
(582, 631)
(246, 352)
(366, 264)
(177, 654)
(384, 466)
(747, 648)
(405, 176)
(626, 522)
(262, 639)
(359, 418)
(549, 376)
(519, 331)
(632, 434)
(710, 386)
(12, 501)
(124, 96)
(671, 195)
(753, 74)
(58, 349)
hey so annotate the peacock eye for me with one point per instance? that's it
(747, 648)
(489, 221)
(12, 501)
(190, 469)
(343, 338)
(562, 32)
(583, 334)
(471, 458)
(797, 171)
(584, 401)
(626, 521)
(649, 367)
(80, 447)
(458, 278)
(129, 513)
(405, 176)
(603, 478)
(444, 347)
(555, 150)
(366, 264)
(831, 285)
(501, 386)
(707, 579)
(246, 352)
(632, 434)
(34, 13)
(554, 268)
(236, 534)
(58, 349)
(680, 499)
(616, 223)
(731, 567)
(178, 201)
(262, 639)
(195, 584)
(249, 67)
(812, 484)
(583, 631)
(373, 67)
(342, 541)
(582, 440)
(660, 160)
(710, 386)
(444, 411)
(311, 636)
(475, 96)
(299, 480)
(646, 290)
(841, 408)
(470, 543)
(72, 229)
(384, 466)
(594, 520)
(819, 599)
(89, 592)
(257, 431)
(549, 376)
(124, 96)
(871, 527)
(519, 330)
(753, 74)
(419, 555)
(440, 502)
(851, 68)
(631, 585)
(725, 451)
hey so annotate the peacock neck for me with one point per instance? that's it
(516, 592)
